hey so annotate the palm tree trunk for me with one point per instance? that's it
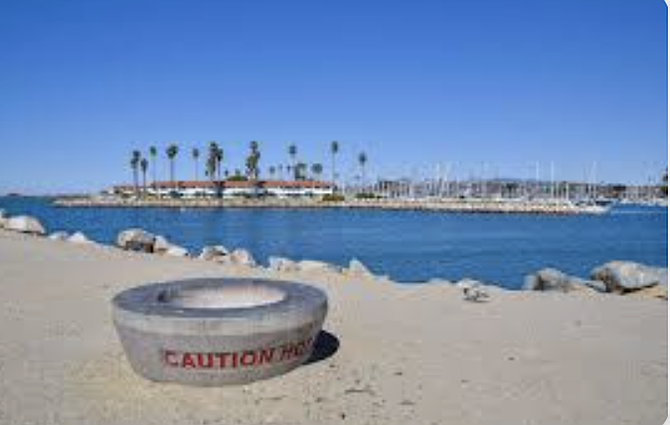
(363, 178)
(172, 172)
(153, 170)
(332, 169)
(135, 182)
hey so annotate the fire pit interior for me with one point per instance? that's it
(243, 295)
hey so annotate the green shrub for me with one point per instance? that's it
(366, 196)
(333, 198)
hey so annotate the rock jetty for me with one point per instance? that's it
(506, 206)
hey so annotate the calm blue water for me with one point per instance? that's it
(408, 246)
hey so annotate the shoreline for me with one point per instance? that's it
(481, 206)
(620, 276)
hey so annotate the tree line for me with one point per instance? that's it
(215, 170)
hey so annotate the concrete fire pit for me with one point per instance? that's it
(209, 332)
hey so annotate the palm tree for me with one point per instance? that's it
(212, 154)
(144, 165)
(252, 161)
(317, 169)
(219, 160)
(195, 154)
(272, 170)
(172, 152)
(153, 152)
(362, 160)
(134, 163)
(334, 149)
(300, 171)
(214, 158)
(293, 152)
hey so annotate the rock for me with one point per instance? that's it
(317, 266)
(136, 240)
(79, 238)
(242, 257)
(473, 290)
(59, 236)
(659, 292)
(280, 264)
(161, 245)
(356, 267)
(554, 280)
(626, 276)
(213, 253)
(3, 218)
(176, 251)
(25, 224)
(596, 285)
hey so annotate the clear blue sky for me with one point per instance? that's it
(413, 83)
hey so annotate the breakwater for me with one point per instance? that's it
(561, 207)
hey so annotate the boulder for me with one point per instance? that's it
(161, 245)
(213, 253)
(357, 267)
(176, 251)
(136, 240)
(25, 224)
(657, 292)
(317, 266)
(596, 285)
(626, 276)
(59, 236)
(554, 280)
(242, 257)
(281, 264)
(473, 290)
(79, 238)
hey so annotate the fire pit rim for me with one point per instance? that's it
(144, 300)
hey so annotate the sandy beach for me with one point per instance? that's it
(414, 354)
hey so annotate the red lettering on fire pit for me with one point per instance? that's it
(234, 360)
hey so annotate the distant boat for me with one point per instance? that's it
(594, 206)
(595, 209)
(603, 202)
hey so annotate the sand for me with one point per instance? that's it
(408, 354)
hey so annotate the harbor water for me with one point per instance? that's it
(409, 246)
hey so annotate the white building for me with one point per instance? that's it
(228, 188)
